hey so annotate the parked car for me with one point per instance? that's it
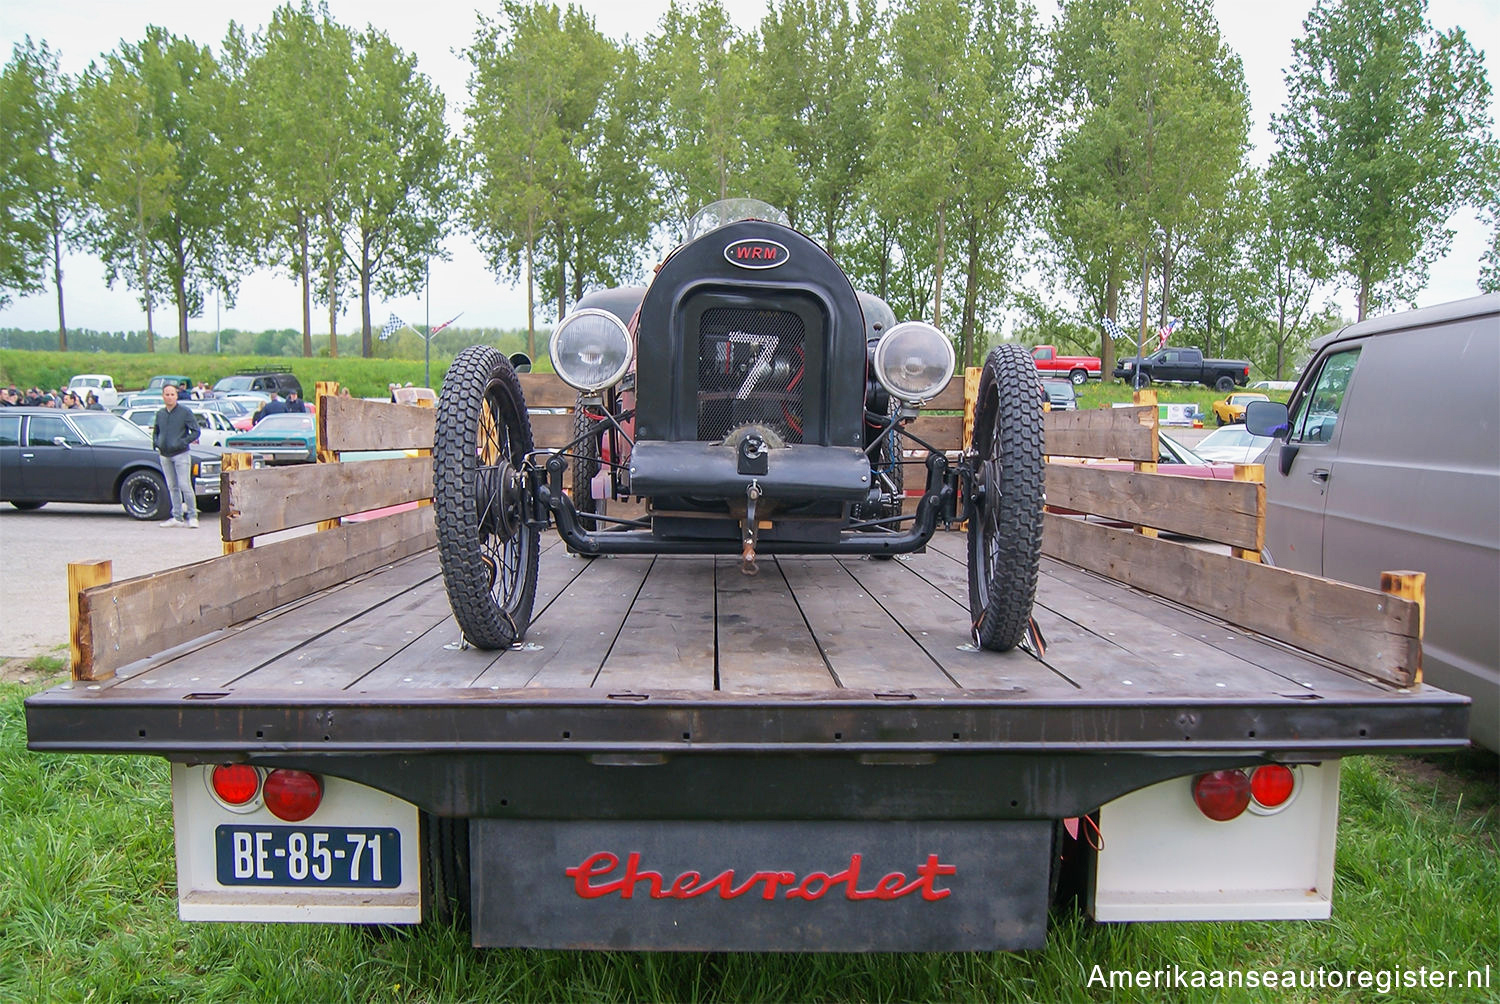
(1060, 395)
(1078, 369)
(1357, 486)
(48, 455)
(156, 383)
(213, 427)
(760, 404)
(1232, 408)
(1185, 366)
(137, 399)
(102, 384)
(263, 382)
(278, 439)
(1282, 385)
(1176, 459)
(239, 412)
(1233, 444)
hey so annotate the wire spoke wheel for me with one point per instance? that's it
(1005, 537)
(585, 464)
(487, 552)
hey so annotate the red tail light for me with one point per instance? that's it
(1223, 794)
(293, 795)
(1272, 785)
(236, 783)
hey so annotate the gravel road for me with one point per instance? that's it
(36, 547)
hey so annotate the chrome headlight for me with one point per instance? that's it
(591, 349)
(914, 361)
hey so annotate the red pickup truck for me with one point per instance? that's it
(1079, 369)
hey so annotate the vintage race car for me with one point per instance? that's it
(758, 405)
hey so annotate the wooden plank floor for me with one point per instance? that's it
(804, 625)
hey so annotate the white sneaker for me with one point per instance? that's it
(174, 521)
(192, 522)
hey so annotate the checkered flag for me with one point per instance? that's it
(392, 326)
(1111, 328)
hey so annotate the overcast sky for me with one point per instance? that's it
(82, 30)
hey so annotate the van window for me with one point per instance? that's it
(1317, 413)
(10, 430)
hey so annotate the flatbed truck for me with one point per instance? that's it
(683, 757)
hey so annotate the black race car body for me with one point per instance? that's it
(757, 404)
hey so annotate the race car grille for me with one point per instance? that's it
(750, 370)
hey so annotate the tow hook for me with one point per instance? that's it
(749, 531)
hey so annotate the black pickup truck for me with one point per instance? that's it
(1185, 366)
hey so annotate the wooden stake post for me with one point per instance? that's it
(82, 575)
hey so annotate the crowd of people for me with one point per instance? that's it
(36, 397)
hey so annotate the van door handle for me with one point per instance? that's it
(1321, 474)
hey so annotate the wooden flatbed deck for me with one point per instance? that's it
(809, 626)
(680, 624)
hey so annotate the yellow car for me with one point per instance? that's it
(1232, 408)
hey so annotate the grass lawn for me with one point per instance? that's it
(88, 912)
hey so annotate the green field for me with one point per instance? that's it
(87, 913)
(131, 370)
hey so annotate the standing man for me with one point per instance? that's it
(173, 433)
(274, 406)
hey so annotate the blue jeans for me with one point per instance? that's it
(179, 472)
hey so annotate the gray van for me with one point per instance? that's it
(1389, 459)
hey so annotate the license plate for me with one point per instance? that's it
(305, 856)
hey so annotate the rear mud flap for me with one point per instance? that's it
(762, 886)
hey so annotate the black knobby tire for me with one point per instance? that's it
(487, 552)
(144, 495)
(445, 869)
(1005, 535)
(1224, 384)
(584, 464)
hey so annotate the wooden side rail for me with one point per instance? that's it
(1147, 496)
(1115, 433)
(118, 623)
(256, 502)
(1226, 512)
(348, 424)
(1376, 632)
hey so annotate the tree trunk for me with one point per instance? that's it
(307, 349)
(578, 239)
(530, 302)
(144, 264)
(366, 341)
(62, 322)
(179, 293)
(562, 272)
(1140, 344)
(1106, 343)
(937, 281)
(969, 332)
(1168, 258)
(333, 307)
